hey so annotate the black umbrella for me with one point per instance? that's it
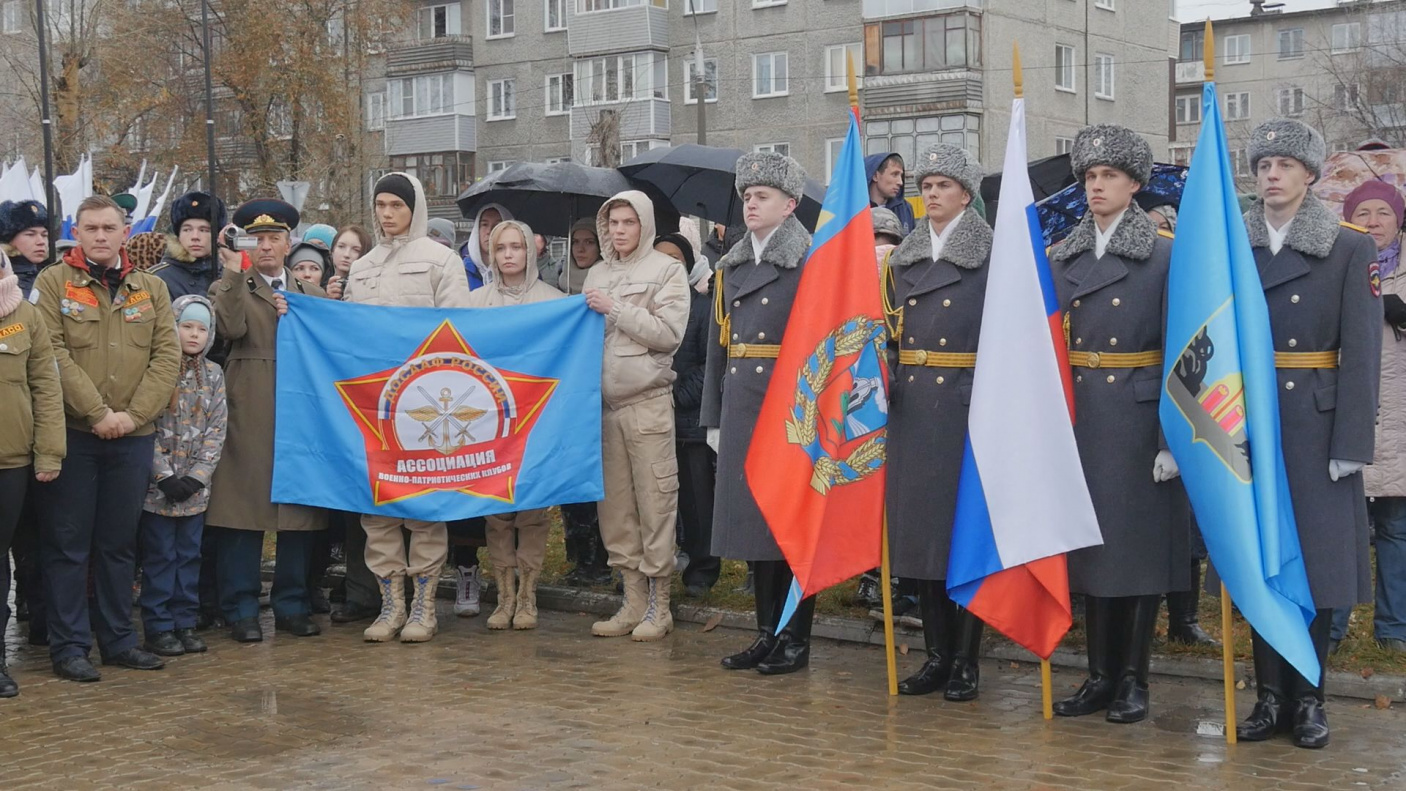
(549, 198)
(701, 181)
(1047, 177)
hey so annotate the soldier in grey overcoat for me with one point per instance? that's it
(1111, 278)
(755, 288)
(1323, 288)
(937, 279)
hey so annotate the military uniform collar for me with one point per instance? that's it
(785, 249)
(1132, 239)
(969, 245)
(1312, 232)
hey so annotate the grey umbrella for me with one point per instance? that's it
(700, 181)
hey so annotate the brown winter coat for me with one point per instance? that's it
(31, 420)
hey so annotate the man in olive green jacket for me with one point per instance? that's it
(115, 342)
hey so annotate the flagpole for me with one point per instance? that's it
(1226, 623)
(885, 574)
(1046, 685)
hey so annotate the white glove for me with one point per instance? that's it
(1165, 467)
(1337, 468)
(714, 436)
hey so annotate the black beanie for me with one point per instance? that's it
(678, 240)
(399, 186)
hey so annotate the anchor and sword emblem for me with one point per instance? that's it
(446, 415)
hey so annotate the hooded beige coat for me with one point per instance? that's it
(410, 270)
(495, 294)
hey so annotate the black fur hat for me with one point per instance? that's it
(19, 216)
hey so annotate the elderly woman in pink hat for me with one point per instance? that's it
(1380, 208)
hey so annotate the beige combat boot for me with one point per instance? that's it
(631, 612)
(526, 615)
(388, 624)
(422, 624)
(502, 617)
(658, 620)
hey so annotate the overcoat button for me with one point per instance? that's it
(946, 303)
(765, 300)
(760, 369)
(1112, 341)
(1076, 303)
(732, 370)
(1288, 385)
(1117, 302)
(1294, 299)
(1111, 378)
(941, 341)
(1293, 343)
(761, 336)
(940, 380)
(912, 302)
(737, 303)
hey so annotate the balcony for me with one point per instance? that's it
(639, 118)
(1191, 71)
(908, 94)
(629, 29)
(425, 56)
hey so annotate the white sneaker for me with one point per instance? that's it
(466, 591)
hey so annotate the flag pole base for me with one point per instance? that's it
(1227, 637)
(891, 660)
(1046, 690)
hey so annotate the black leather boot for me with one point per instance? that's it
(936, 609)
(792, 651)
(1097, 690)
(1183, 613)
(966, 659)
(8, 687)
(1130, 696)
(1311, 720)
(768, 609)
(1272, 712)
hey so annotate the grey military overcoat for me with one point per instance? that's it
(1323, 296)
(758, 299)
(941, 303)
(1117, 304)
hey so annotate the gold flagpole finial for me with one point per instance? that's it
(1016, 73)
(852, 82)
(1210, 53)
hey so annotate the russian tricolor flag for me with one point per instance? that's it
(1022, 501)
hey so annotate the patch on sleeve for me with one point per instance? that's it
(1374, 278)
(34, 297)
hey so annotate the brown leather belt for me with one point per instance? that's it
(1306, 359)
(936, 359)
(760, 351)
(1114, 360)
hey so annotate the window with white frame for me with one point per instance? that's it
(1290, 101)
(1347, 37)
(376, 110)
(1064, 68)
(772, 148)
(1239, 162)
(690, 80)
(586, 6)
(560, 93)
(437, 21)
(497, 165)
(907, 136)
(554, 15)
(10, 12)
(416, 97)
(620, 78)
(833, 146)
(1237, 49)
(500, 18)
(1106, 5)
(1181, 155)
(699, 7)
(1103, 75)
(1189, 109)
(837, 58)
(767, 3)
(770, 75)
(630, 149)
(556, 160)
(1345, 96)
(502, 99)
(1237, 106)
(1064, 145)
(1291, 43)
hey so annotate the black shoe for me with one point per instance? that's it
(965, 681)
(351, 612)
(1130, 702)
(789, 656)
(164, 644)
(752, 655)
(1093, 696)
(246, 630)
(190, 641)
(136, 659)
(1333, 646)
(320, 605)
(931, 677)
(1310, 724)
(38, 636)
(1268, 718)
(297, 625)
(76, 668)
(1392, 645)
(1190, 634)
(1183, 612)
(867, 595)
(697, 590)
(206, 620)
(8, 687)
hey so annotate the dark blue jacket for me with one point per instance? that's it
(898, 205)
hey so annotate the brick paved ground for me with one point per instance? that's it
(557, 708)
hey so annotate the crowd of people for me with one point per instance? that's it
(143, 435)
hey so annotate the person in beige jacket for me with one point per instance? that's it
(408, 269)
(645, 298)
(517, 542)
(32, 437)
